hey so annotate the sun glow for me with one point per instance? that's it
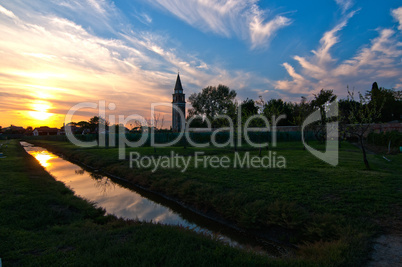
(39, 111)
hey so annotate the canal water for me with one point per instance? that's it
(127, 201)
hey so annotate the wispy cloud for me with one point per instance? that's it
(98, 6)
(261, 32)
(146, 18)
(397, 14)
(329, 39)
(242, 18)
(345, 4)
(381, 60)
(142, 16)
(7, 12)
(49, 57)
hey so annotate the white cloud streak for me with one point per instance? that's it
(260, 32)
(397, 14)
(381, 61)
(7, 12)
(329, 40)
(344, 4)
(98, 5)
(46, 56)
(242, 18)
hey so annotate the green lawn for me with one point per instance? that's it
(330, 213)
(42, 223)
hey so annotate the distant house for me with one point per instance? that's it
(14, 130)
(45, 130)
(74, 130)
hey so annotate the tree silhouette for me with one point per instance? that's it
(358, 121)
(213, 101)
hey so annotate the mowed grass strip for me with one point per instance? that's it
(43, 223)
(330, 213)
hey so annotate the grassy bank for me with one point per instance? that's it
(42, 223)
(330, 213)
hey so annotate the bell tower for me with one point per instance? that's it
(178, 120)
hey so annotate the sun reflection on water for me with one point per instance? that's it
(43, 157)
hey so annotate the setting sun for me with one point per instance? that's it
(40, 111)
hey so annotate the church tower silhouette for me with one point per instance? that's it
(178, 120)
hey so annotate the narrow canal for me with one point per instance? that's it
(126, 201)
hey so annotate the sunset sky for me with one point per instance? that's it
(57, 53)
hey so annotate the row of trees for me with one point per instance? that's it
(355, 113)
(220, 100)
(95, 123)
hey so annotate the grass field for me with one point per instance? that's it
(42, 223)
(330, 213)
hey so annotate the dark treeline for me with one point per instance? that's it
(215, 103)
(351, 118)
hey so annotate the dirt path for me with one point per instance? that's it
(387, 248)
(387, 251)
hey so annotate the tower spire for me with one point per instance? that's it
(178, 87)
(179, 106)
